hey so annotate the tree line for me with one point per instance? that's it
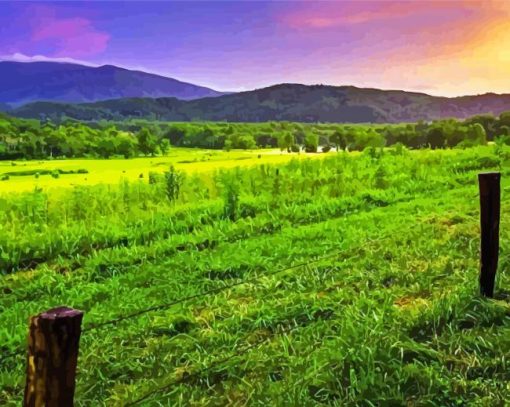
(28, 138)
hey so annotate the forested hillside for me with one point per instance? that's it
(287, 102)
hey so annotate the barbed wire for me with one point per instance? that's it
(21, 352)
(215, 364)
(218, 290)
(92, 327)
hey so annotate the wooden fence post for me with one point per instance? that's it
(52, 357)
(489, 184)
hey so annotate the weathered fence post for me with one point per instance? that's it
(52, 357)
(489, 184)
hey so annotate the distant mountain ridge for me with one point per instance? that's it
(26, 82)
(285, 102)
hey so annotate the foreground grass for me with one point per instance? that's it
(391, 315)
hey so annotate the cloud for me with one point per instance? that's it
(65, 36)
(18, 57)
(351, 13)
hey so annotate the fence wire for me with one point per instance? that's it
(159, 307)
(215, 364)
(218, 290)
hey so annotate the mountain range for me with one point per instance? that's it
(127, 93)
(22, 82)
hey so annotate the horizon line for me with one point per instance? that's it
(21, 58)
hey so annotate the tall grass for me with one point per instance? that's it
(391, 317)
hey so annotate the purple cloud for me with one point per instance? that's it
(65, 36)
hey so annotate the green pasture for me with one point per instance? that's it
(31, 174)
(346, 281)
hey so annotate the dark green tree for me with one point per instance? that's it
(164, 146)
(146, 141)
(311, 143)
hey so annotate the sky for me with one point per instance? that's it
(443, 48)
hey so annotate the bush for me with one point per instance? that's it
(294, 148)
(154, 177)
(174, 180)
(399, 149)
(231, 199)
(55, 174)
(503, 139)
(5, 177)
(311, 143)
(39, 172)
(326, 149)
(370, 152)
(380, 181)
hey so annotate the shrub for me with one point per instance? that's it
(276, 184)
(380, 181)
(231, 198)
(326, 148)
(371, 152)
(174, 180)
(311, 143)
(154, 177)
(5, 177)
(399, 149)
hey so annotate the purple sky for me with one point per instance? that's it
(450, 48)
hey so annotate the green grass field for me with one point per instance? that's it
(115, 170)
(351, 280)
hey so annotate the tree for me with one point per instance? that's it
(436, 137)
(488, 122)
(53, 141)
(299, 135)
(126, 145)
(504, 119)
(311, 143)
(475, 135)
(228, 145)
(338, 139)
(164, 145)
(285, 141)
(106, 147)
(245, 142)
(146, 141)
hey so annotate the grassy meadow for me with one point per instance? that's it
(27, 175)
(280, 280)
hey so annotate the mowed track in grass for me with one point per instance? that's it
(361, 289)
(113, 171)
